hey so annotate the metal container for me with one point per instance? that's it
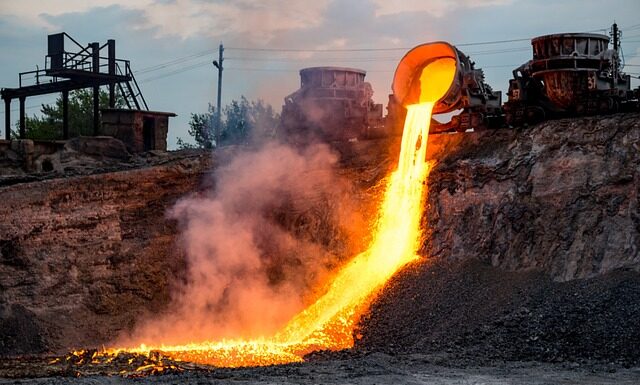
(479, 105)
(406, 80)
(568, 63)
(333, 103)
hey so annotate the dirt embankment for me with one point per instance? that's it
(560, 197)
(82, 258)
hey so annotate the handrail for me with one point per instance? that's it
(139, 92)
(83, 61)
(74, 56)
(73, 40)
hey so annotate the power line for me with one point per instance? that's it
(315, 50)
(501, 66)
(363, 59)
(366, 49)
(173, 62)
(177, 71)
(18, 109)
(261, 69)
(251, 69)
(187, 58)
(631, 28)
(491, 52)
(293, 60)
(492, 42)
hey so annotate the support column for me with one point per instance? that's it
(112, 95)
(65, 115)
(23, 123)
(95, 51)
(7, 119)
(111, 55)
(96, 110)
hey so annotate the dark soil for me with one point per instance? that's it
(473, 312)
(20, 333)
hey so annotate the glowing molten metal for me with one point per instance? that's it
(329, 322)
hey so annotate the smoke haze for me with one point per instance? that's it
(260, 246)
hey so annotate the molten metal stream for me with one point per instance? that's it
(329, 322)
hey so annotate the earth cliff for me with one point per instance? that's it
(83, 257)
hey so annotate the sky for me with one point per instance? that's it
(171, 43)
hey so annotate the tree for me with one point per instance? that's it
(242, 122)
(48, 126)
(200, 130)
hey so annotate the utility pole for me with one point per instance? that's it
(218, 65)
(615, 34)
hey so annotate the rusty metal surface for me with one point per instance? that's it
(333, 103)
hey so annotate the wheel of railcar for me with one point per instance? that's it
(514, 116)
(535, 114)
(606, 105)
(508, 118)
(478, 122)
(616, 106)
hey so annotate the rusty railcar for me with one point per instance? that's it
(332, 104)
(571, 74)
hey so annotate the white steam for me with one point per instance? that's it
(260, 246)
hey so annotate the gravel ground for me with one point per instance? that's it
(463, 323)
(479, 314)
(376, 368)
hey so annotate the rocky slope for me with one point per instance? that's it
(83, 257)
(561, 197)
(556, 202)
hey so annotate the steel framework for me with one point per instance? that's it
(82, 67)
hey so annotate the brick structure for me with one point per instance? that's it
(139, 130)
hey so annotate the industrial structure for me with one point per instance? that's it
(479, 105)
(333, 103)
(571, 74)
(70, 66)
(140, 131)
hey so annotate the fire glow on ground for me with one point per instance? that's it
(328, 324)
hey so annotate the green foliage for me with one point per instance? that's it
(200, 130)
(243, 122)
(48, 126)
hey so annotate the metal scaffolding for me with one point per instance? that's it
(81, 67)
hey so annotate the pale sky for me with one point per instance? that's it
(171, 43)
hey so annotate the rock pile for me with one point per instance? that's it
(471, 312)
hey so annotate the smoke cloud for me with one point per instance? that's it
(260, 246)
